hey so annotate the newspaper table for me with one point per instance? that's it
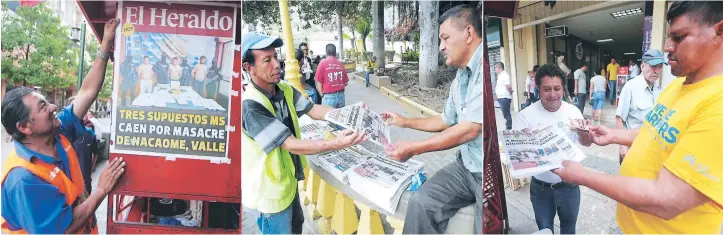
(357, 117)
(538, 150)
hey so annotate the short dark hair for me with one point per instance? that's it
(330, 50)
(548, 70)
(535, 68)
(249, 58)
(303, 44)
(583, 64)
(464, 13)
(146, 57)
(299, 55)
(705, 12)
(502, 65)
(14, 111)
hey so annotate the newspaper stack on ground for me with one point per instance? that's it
(383, 180)
(356, 117)
(538, 150)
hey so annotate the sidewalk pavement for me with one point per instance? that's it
(355, 92)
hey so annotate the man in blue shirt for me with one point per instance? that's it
(30, 203)
(458, 184)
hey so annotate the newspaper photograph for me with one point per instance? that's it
(383, 180)
(538, 150)
(316, 130)
(340, 162)
(357, 117)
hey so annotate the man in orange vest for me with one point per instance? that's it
(42, 185)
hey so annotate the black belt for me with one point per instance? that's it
(553, 186)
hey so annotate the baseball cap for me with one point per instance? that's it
(255, 41)
(654, 57)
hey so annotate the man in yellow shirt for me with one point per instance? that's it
(672, 178)
(612, 79)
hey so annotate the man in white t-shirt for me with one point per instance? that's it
(548, 194)
(145, 72)
(503, 89)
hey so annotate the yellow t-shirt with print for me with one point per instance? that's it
(683, 133)
(613, 71)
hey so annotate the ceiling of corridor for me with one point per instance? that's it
(627, 32)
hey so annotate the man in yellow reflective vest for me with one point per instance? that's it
(42, 185)
(272, 157)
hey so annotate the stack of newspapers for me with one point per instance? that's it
(367, 170)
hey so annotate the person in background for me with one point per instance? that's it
(129, 80)
(549, 194)
(175, 70)
(212, 77)
(612, 79)
(331, 79)
(42, 183)
(503, 90)
(633, 69)
(161, 70)
(371, 64)
(529, 88)
(598, 85)
(273, 153)
(199, 75)
(306, 65)
(581, 86)
(459, 183)
(310, 90)
(187, 69)
(671, 181)
(638, 95)
(145, 72)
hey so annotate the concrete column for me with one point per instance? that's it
(511, 68)
(659, 25)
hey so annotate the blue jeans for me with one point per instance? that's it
(598, 99)
(288, 221)
(198, 87)
(612, 91)
(505, 107)
(581, 98)
(367, 78)
(546, 202)
(334, 100)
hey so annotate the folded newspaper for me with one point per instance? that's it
(370, 173)
(356, 117)
(538, 150)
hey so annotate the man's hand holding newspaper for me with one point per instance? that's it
(533, 151)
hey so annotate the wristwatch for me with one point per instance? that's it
(103, 55)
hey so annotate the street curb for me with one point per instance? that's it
(404, 101)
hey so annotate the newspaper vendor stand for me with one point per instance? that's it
(216, 185)
(623, 74)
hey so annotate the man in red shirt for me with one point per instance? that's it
(331, 79)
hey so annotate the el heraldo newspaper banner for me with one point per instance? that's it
(172, 79)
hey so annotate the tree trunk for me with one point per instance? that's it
(340, 52)
(429, 50)
(378, 27)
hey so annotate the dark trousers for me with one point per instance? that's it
(438, 199)
(581, 98)
(547, 201)
(505, 106)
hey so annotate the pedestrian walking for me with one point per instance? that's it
(503, 90)
(331, 79)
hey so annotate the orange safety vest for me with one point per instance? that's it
(73, 190)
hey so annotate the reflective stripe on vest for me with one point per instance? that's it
(271, 177)
(74, 190)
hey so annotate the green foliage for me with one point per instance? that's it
(36, 49)
(364, 27)
(410, 56)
